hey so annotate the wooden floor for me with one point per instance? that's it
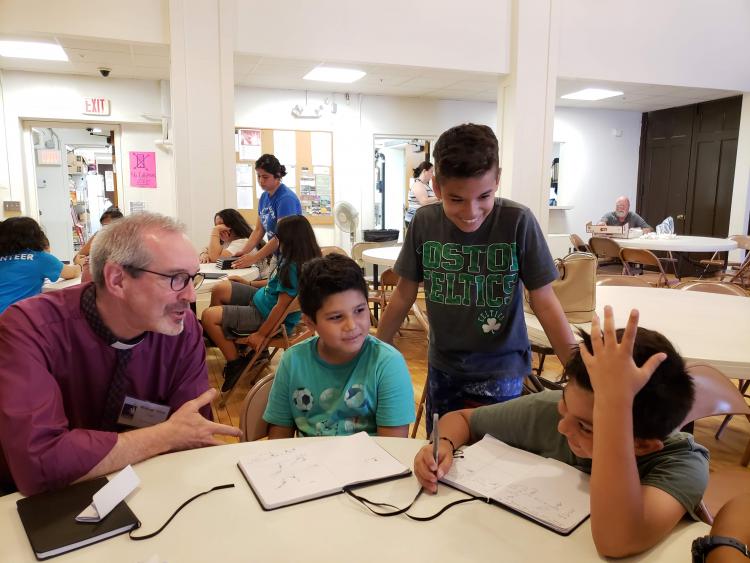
(725, 453)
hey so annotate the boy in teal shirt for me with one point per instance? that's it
(344, 380)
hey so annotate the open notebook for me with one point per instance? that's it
(287, 472)
(547, 491)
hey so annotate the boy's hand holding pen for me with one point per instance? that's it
(434, 460)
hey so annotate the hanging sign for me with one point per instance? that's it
(95, 106)
(143, 169)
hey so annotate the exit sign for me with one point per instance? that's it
(95, 106)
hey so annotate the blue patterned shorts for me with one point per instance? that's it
(447, 392)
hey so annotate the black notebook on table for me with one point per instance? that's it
(50, 519)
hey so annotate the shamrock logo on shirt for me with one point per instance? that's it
(491, 325)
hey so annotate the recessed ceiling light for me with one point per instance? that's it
(592, 94)
(32, 50)
(331, 74)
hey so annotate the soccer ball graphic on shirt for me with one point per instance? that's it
(354, 397)
(302, 399)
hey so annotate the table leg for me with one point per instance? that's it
(375, 280)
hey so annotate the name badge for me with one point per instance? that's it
(139, 414)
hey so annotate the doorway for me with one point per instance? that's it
(73, 169)
(395, 158)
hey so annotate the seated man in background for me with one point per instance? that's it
(622, 215)
(81, 365)
(344, 380)
(616, 420)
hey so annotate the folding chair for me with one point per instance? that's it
(632, 281)
(578, 244)
(743, 243)
(388, 281)
(252, 425)
(425, 324)
(715, 395)
(607, 252)
(712, 287)
(279, 339)
(645, 257)
(325, 250)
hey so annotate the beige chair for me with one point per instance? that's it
(325, 250)
(578, 244)
(252, 425)
(607, 252)
(743, 243)
(712, 287)
(643, 257)
(715, 395)
(423, 321)
(632, 281)
(279, 339)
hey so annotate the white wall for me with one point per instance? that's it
(677, 42)
(37, 96)
(136, 20)
(437, 33)
(595, 166)
(354, 126)
(162, 199)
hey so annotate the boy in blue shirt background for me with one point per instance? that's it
(344, 380)
(475, 252)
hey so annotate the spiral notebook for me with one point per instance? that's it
(282, 473)
(544, 490)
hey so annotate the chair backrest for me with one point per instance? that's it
(645, 257)
(578, 244)
(712, 287)
(605, 248)
(325, 250)
(743, 241)
(715, 394)
(623, 280)
(252, 425)
(389, 279)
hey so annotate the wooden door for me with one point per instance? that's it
(711, 178)
(686, 168)
(664, 166)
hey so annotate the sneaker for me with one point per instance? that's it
(232, 372)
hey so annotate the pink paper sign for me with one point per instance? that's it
(143, 169)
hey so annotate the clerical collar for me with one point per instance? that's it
(88, 306)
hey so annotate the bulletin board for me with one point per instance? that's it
(308, 158)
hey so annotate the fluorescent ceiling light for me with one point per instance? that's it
(592, 94)
(331, 74)
(32, 50)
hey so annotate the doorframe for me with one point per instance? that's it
(30, 193)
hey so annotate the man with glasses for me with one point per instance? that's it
(104, 374)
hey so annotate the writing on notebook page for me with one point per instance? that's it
(544, 489)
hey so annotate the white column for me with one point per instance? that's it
(202, 94)
(738, 216)
(526, 105)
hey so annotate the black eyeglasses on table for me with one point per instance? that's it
(178, 281)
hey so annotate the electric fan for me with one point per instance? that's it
(346, 218)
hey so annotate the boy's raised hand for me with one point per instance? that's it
(612, 370)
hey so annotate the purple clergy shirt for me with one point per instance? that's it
(54, 377)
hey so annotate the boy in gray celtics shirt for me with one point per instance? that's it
(474, 253)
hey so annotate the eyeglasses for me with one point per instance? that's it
(178, 281)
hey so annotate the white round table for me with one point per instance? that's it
(229, 525)
(704, 327)
(250, 274)
(681, 243)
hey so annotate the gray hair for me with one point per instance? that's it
(122, 242)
